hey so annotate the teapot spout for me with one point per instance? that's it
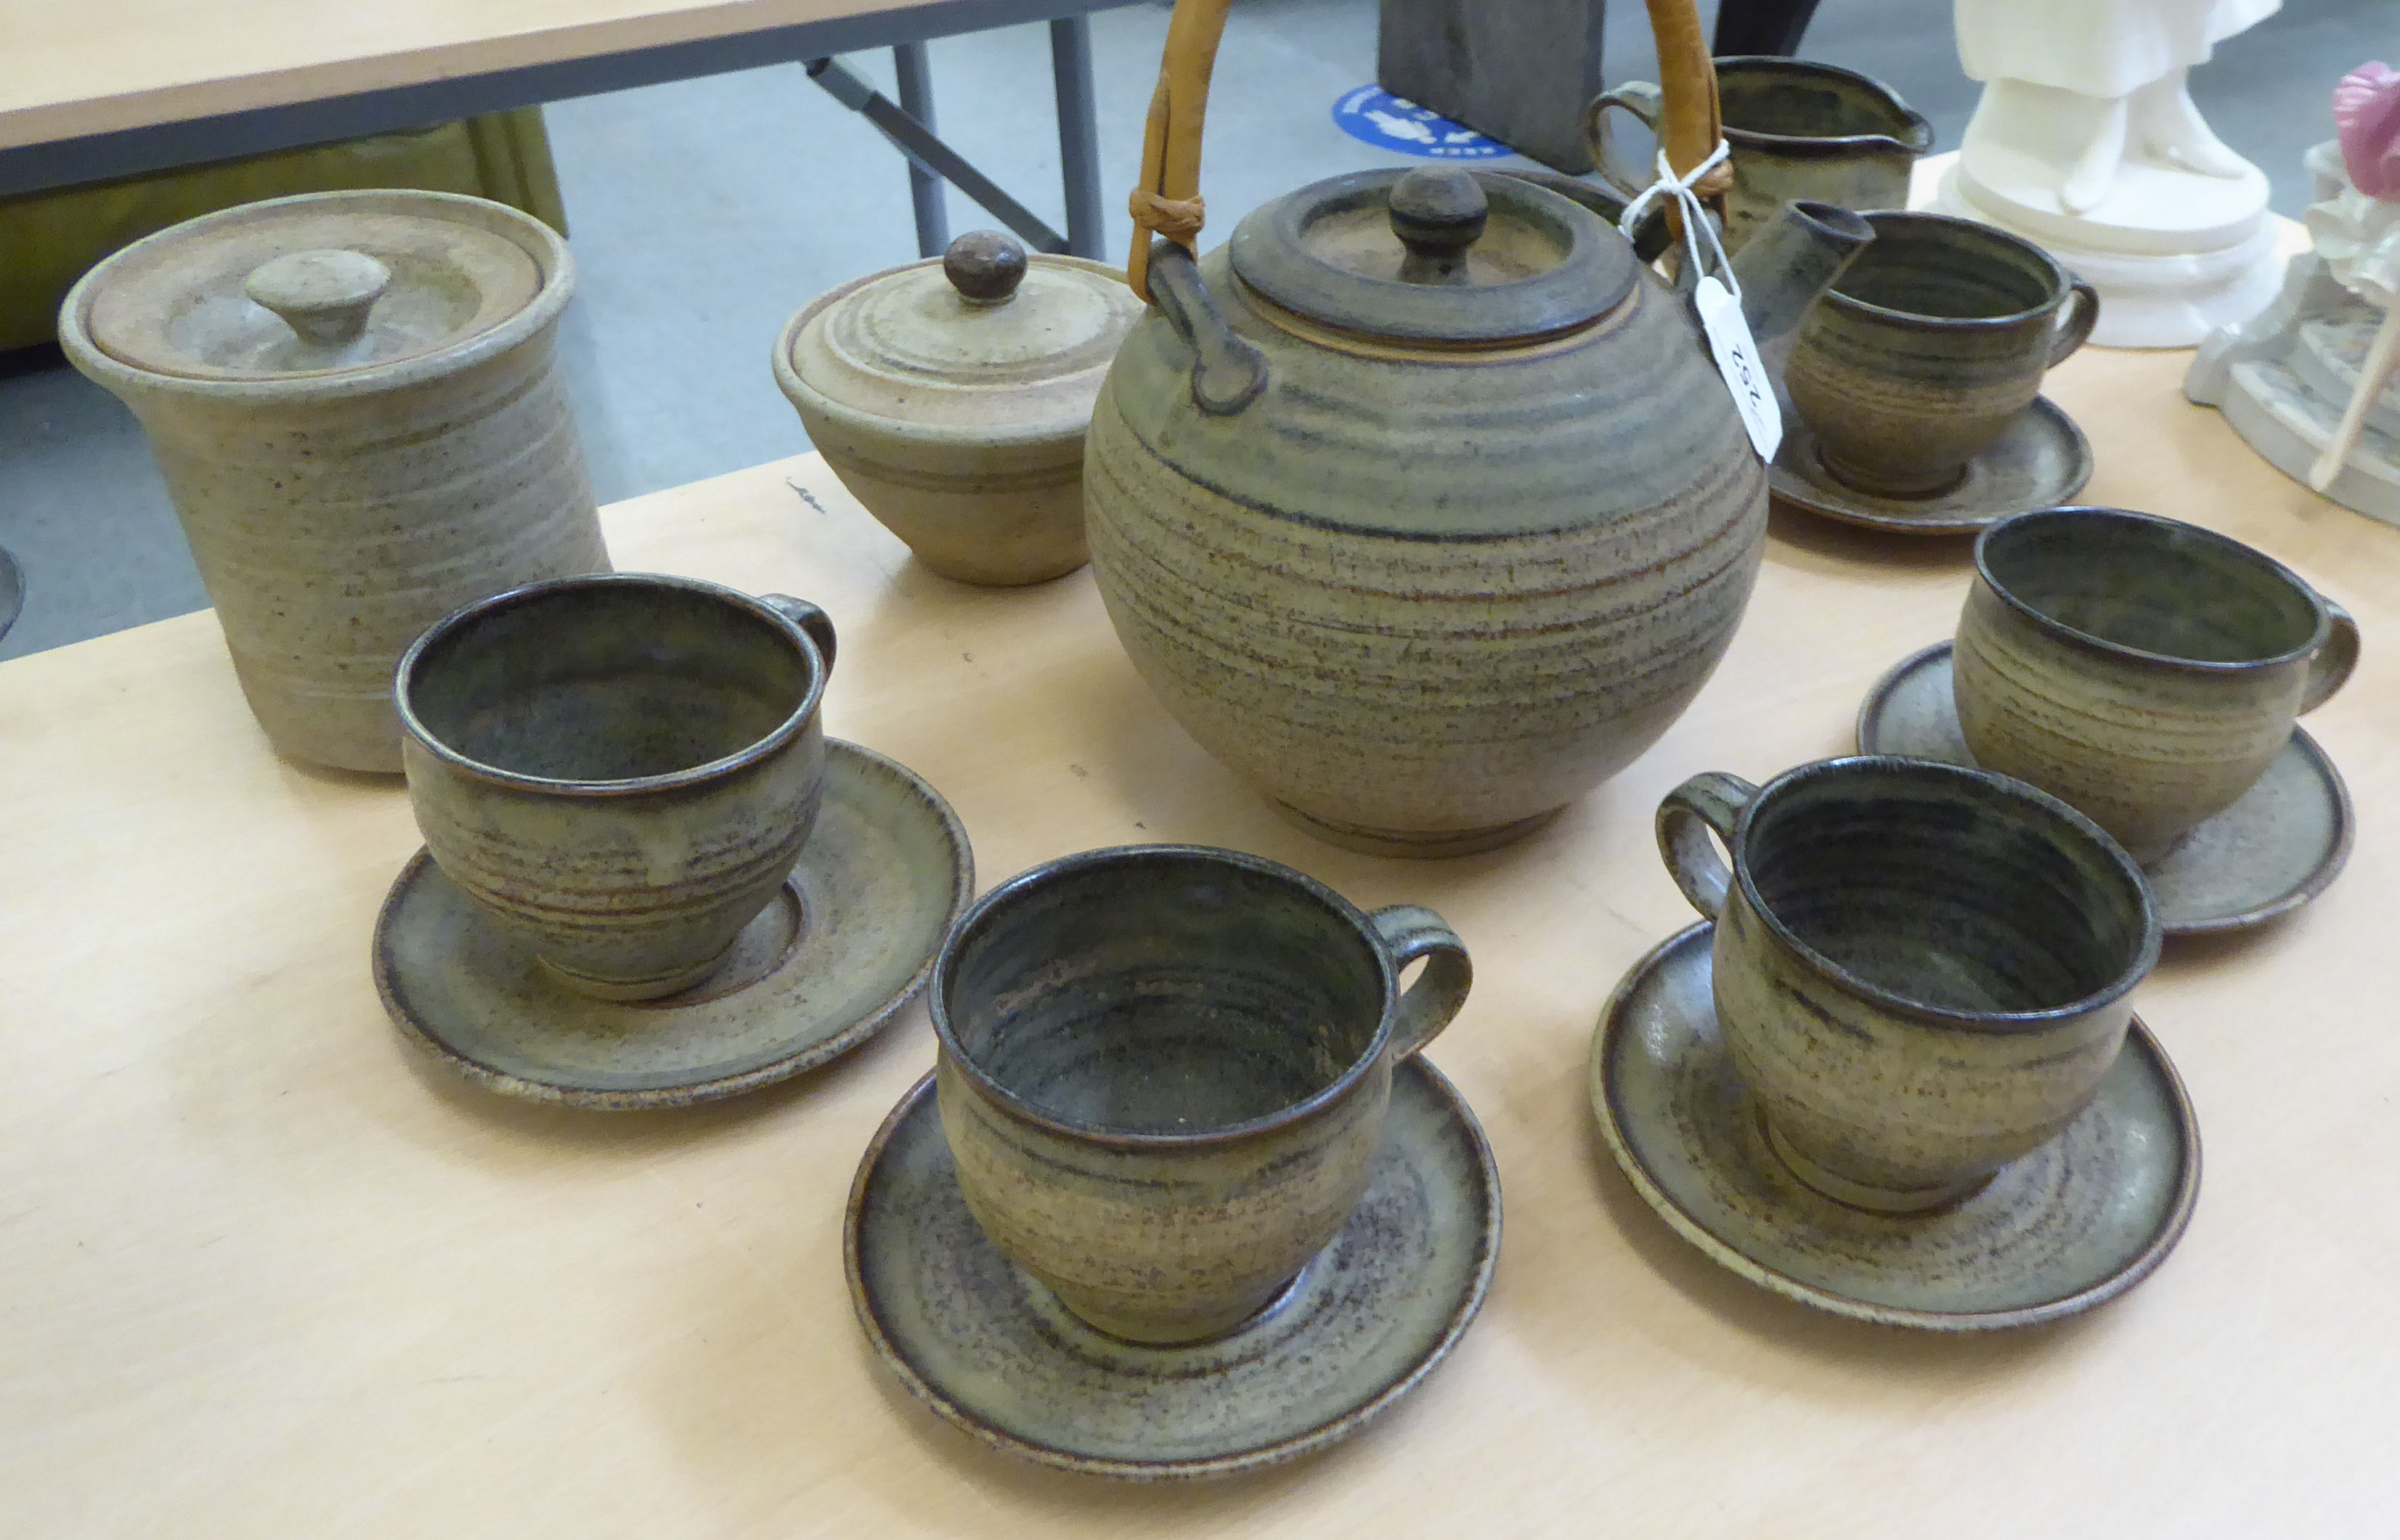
(1792, 259)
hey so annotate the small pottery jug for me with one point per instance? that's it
(1795, 130)
(951, 397)
(350, 397)
(1423, 505)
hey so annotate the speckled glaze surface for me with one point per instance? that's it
(1923, 970)
(1928, 346)
(958, 422)
(994, 1354)
(1425, 597)
(619, 769)
(2039, 459)
(2070, 1225)
(338, 500)
(847, 940)
(1164, 1075)
(2279, 846)
(2146, 671)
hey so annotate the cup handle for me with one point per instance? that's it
(809, 618)
(1637, 97)
(2075, 323)
(1717, 800)
(1408, 932)
(2330, 669)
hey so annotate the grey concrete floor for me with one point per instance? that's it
(705, 212)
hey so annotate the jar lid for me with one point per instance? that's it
(982, 340)
(320, 284)
(1439, 254)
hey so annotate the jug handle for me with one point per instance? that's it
(1640, 100)
(1227, 372)
(1167, 202)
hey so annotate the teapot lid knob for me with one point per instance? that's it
(985, 266)
(1438, 211)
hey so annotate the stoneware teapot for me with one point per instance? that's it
(1422, 504)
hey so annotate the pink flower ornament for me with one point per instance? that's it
(2366, 119)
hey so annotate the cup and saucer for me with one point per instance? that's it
(630, 768)
(1912, 391)
(1153, 1215)
(2095, 618)
(1857, 1089)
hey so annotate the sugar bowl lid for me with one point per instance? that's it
(321, 284)
(983, 342)
(1438, 254)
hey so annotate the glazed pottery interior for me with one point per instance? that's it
(1802, 105)
(2159, 587)
(1164, 993)
(609, 682)
(1922, 267)
(1984, 903)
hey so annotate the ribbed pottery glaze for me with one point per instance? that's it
(331, 533)
(334, 515)
(1424, 597)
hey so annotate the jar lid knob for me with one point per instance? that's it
(1438, 211)
(985, 266)
(324, 295)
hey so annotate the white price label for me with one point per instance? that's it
(1738, 360)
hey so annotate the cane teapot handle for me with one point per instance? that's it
(1167, 202)
(1687, 83)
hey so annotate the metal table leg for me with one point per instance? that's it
(1078, 134)
(916, 72)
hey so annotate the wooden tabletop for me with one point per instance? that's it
(263, 1274)
(103, 65)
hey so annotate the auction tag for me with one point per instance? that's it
(1738, 360)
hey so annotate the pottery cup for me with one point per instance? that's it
(2145, 670)
(1164, 1072)
(1921, 969)
(1923, 352)
(620, 768)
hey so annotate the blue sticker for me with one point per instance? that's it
(1374, 115)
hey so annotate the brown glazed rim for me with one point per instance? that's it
(1880, 217)
(690, 775)
(2153, 524)
(1068, 867)
(1916, 139)
(1986, 784)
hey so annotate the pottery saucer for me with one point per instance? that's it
(2264, 856)
(2042, 461)
(828, 963)
(994, 1353)
(2075, 1223)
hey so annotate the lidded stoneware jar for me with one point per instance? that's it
(951, 396)
(1422, 505)
(351, 398)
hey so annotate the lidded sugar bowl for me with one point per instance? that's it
(351, 397)
(951, 396)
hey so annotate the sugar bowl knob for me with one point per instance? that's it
(985, 266)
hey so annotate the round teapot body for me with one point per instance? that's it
(1423, 596)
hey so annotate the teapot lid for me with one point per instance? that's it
(324, 283)
(982, 340)
(1437, 254)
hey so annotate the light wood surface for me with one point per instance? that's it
(263, 1274)
(100, 65)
